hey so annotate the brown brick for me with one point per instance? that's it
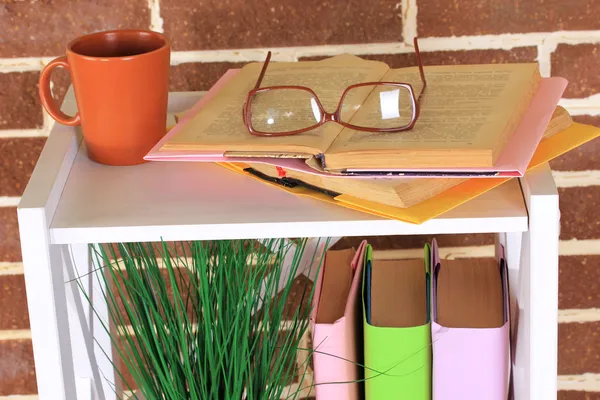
(417, 241)
(577, 395)
(584, 157)
(34, 28)
(17, 160)
(579, 284)
(580, 65)
(20, 106)
(579, 212)
(227, 24)
(477, 17)
(13, 303)
(17, 371)
(10, 246)
(578, 346)
(192, 77)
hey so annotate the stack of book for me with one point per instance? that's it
(478, 126)
(411, 329)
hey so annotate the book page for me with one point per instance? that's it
(463, 107)
(398, 293)
(219, 125)
(470, 294)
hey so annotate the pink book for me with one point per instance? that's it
(337, 346)
(470, 363)
(512, 162)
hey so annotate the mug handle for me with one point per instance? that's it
(46, 94)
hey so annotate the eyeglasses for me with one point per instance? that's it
(290, 110)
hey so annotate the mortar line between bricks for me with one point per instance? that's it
(578, 315)
(15, 334)
(156, 22)
(579, 247)
(588, 382)
(22, 133)
(582, 106)
(461, 43)
(9, 201)
(544, 60)
(456, 43)
(409, 20)
(570, 179)
(571, 247)
(565, 316)
(11, 268)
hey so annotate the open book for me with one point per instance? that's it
(468, 115)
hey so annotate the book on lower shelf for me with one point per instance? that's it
(397, 329)
(336, 329)
(470, 328)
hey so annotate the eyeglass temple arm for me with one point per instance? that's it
(418, 54)
(263, 71)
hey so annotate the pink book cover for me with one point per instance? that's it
(337, 346)
(470, 364)
(512, 162)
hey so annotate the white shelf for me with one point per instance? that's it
(180, 200)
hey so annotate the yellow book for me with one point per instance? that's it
(390, 191)
(548, 149)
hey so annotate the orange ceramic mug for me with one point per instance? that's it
(121, 83)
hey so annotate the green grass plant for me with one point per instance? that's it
(203, 320)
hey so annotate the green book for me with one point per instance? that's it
(397, 328)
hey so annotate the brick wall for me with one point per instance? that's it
(210, 36)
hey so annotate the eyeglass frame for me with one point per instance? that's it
(336, 115)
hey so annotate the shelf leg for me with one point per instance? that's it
(47, 304)
(104, 350)
(93, 379)
(536, 317)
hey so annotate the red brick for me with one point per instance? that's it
(478, 17)
(13, 303)
(17, 370)
(577, 395)
(579, 212)
(584, 157)
(20, 106)
(578, 346)
(580, 65)
(227, 24)
(579, 284)
(18, 157)
(192, 77)
(43, 28)
(10, 245)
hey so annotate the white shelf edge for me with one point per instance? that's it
(284, 230)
